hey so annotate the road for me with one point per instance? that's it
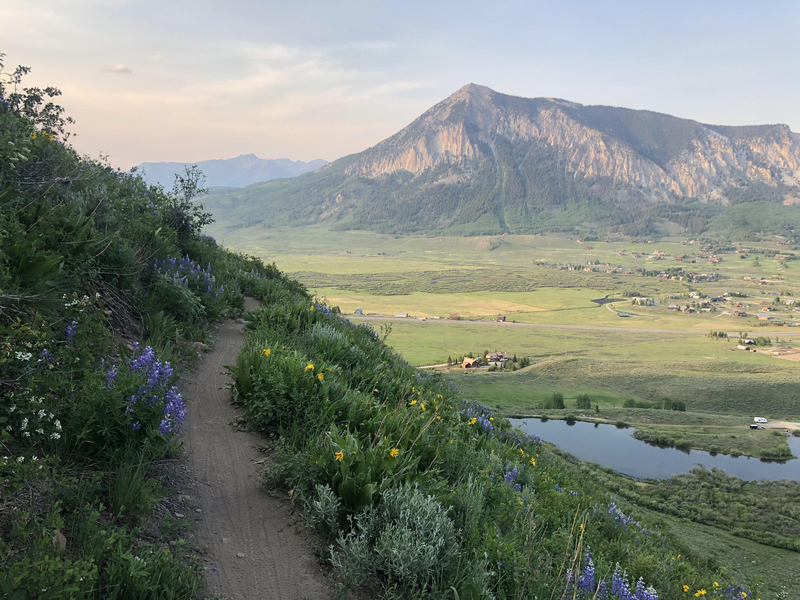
(533, 325)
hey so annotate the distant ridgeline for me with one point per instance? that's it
(481, 162)
(232, 172)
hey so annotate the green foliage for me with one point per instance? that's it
(557, 401)
(583, 402)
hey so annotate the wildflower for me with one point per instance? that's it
(312, 307)
(24, 356)
(24, 424)
(422, 406)
(55, 436)
(699, 593)
(266, 352)
(522, 452)
(450, 442)
(13, 408)
(533, 462)
(685, 587)
(339, 456)
(21, 459)
(473, 420)
(412, 403)
(309, 367)
(394, 452)
(716, 584)
(33, 135)
(320, 376)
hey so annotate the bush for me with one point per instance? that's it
(407, 543)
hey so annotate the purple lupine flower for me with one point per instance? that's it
(585, 582)
(111, 378)
(72, 331)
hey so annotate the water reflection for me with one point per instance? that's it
(615, 447)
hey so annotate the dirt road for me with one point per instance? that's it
(536, 325)
(254, 547)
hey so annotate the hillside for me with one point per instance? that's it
(481, 162)
(232, 172)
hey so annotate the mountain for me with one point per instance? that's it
(232, 172)
(481, 162)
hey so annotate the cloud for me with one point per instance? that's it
(118, 69)
(155, 57)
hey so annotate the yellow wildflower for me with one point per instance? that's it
(473, 420)
(685, 587)
(491, 418)
(533, 463)
(394, 452)
(422, 406)
(266, 352)
(522, 452)
(581, 527)
(438, 418)
(312, 307)
(50, 137)
(309, 367)
(439, 396)
(339, 456)
(716, 584)
(451, 441)
(33, 135)
(699, 593)
(413, 389)
(320, 376)
(412, 403)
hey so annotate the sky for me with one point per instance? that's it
(185, 81)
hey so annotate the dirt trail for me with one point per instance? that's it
(254, 548)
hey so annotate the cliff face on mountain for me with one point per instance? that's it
(666, 154)
(482, 162)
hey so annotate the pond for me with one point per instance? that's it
(612, 447)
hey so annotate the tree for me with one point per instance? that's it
(629, 403)
(583, 402)
(558, 400)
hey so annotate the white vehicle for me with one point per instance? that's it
(759, 419)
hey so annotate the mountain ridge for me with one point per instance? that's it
(240, 171)
(482, 162)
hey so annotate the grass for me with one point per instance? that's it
(726, 440)
(772, 570)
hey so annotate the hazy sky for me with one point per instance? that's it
(188, 81)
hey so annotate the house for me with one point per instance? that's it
(497, 358)
(402, 315)
(501, 318)
(358, 311)
(748, 342)
(454, 317)
(739, 313)
(673, 307)
(763, 317)
(469, 363)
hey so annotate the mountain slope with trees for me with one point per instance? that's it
(481, 162)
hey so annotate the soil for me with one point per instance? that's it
(253, 545)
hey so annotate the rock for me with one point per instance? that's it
(198, 510)
(59, 541)
(179, 515)
(240, 554)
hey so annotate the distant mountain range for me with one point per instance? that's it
(481, 162)
(232, 172)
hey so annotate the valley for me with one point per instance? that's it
(561, 298)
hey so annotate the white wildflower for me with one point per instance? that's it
(40, 431)
(50, 416)
(24, 355)
(55, 436)
(13, 408)
(26, 433)
(35, 458)
(24, 425)
(21, 459)
(41, 413)
(58, 425)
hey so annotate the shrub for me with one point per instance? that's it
(407, 542)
